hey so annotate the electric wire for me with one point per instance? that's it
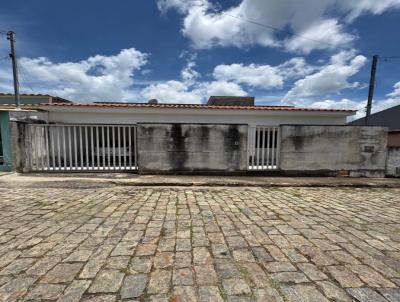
(21, 72)
(386, 58)
(278, 29)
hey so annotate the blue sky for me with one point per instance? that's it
(185, 50)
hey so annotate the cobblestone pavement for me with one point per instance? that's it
(199, 244)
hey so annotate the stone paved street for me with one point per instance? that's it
(199, 244)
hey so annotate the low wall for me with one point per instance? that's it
(393, 162)
(358, 150)
(192, 148)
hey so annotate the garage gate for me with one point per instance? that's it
(80, 148)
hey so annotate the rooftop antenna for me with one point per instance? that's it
(13, 56)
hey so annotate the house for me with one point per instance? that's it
(9, 99)
(218, 110)
(225, 135)
(389, 118)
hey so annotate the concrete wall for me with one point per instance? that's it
(18, 134)
(192, 147)
(393, 162)
(29, 116)
(358, 149)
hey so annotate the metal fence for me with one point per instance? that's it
(263, 148)
(82, 147)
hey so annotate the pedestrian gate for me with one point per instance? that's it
(263, 148)
(81, 147)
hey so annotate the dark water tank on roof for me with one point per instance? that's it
(231, 101)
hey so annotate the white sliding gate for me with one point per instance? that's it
(81, 147)
(263, 148)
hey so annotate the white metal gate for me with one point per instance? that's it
(263, 148)
(82, 147)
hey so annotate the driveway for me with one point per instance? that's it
(199, 244)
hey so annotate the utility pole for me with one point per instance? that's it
(371, 87)
(13, 56)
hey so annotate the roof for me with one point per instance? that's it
(5, 107)
(52, 99)
(25, 94)
(388, 118)
(189, 106)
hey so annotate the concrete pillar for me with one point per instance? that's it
(18, 145)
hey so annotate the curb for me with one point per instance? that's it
(266, 185)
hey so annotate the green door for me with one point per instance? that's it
(5, 144)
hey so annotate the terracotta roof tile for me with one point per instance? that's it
(189, 106)
(24, 94)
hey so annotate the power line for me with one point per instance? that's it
(23, 78)
(300, 36)
(3, 32)
(387, 58)
(278, 29)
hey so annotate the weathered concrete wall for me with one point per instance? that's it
(393, 162)
(18, 145)
(192, 147)
(358, 149)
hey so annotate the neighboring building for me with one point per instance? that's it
(8, 112)
(389, 118)
(5, 148)
(8, 99)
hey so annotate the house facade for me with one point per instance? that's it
(132, 113)
(223, 136)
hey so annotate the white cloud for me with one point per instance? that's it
(396, 91)
(360, 106)
(188, 73)
(356, 8)
(188, 89)
(295, 68)
(223, 88)
(263, 76)
(172, 92)
(96, 78)
(385, 104)
(207, 27)
(176, 91)
(342, 104)
(329, 31)
(331, 78)
(181, 6)
(112, 78)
